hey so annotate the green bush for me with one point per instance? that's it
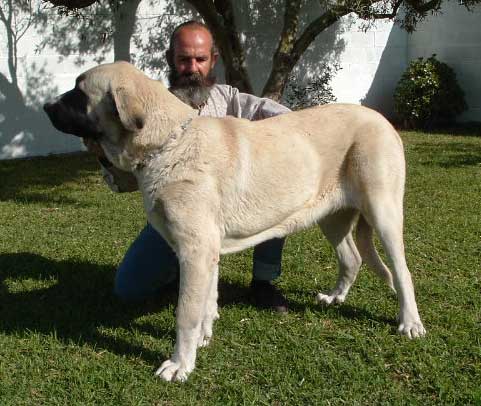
(428, 94)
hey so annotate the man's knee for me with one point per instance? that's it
(147, 267)
(136, 285)
(129, 291)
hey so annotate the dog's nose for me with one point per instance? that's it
(47, 106)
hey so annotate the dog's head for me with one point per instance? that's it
(104, 101)
(120, 107)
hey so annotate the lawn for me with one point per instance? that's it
(65, 339)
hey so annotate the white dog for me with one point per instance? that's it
(218, 185)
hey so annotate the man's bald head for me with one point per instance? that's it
(191, 57)
(187, 36)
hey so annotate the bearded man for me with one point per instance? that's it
(150, 266)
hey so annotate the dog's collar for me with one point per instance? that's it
(155, 152)
(200, 107)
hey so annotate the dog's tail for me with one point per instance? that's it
(369, 254)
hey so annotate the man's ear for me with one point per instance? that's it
(130, 109)
(169, 56)
(215, 57)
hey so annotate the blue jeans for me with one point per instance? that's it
(150, 264)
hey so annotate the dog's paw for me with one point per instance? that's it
(204, 339)
(171, 371)
(205, 333)
(331, 298)
(412, 329)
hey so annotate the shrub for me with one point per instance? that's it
(315, 92)
(428, 94)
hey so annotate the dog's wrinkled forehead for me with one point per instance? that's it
(104, 77)
(94, 82)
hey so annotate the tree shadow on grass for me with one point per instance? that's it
(75, 300)
(343, 310)
(468, 129)
(44, 199)
(20, 176)
(452, 155)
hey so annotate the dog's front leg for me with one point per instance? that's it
(197, 269)
(211, 314)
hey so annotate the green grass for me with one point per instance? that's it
(65, 339)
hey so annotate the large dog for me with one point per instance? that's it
(218, 185)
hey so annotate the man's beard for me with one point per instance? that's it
(193, 89)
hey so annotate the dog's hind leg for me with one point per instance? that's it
(337, 228)
(369, 254)
(385, 215)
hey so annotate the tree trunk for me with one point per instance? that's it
(124, 25)
(291, 49)
(283, 61)
(72, 4)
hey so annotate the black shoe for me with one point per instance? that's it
(267, 296)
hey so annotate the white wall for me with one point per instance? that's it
(455, 38)
(24, 128)
(372, 63)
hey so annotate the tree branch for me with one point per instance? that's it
(29, 20)
(316, 27)
(291, 26)
(422, 7)
(71, 4)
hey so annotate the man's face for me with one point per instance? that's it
(193, 53)
(192, 76)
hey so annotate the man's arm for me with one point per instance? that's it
(117, 180)
(255, 108)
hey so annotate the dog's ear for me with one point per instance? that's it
(130, 109)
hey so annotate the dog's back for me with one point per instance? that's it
(298, 165)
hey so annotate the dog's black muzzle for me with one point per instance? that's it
(68, 114)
